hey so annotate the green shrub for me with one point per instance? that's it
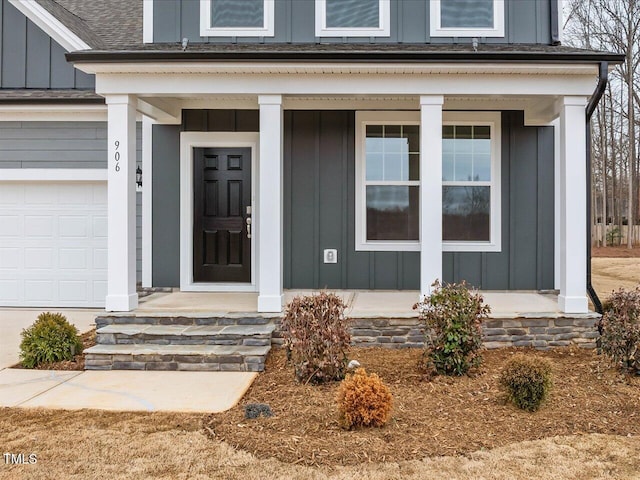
(363, 401)
(51, 338)
(316, 336)
(620, 329)
(527, 381)
(453, 316)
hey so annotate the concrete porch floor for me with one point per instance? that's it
(361, 303)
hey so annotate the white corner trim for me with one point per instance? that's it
(53, 113)
(382, 30)
(147, 21)
(53, 174)
(50, 25)
(189, 141)
(267, 30)
(147, 202)
(438, 31)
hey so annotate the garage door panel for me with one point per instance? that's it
(38, 258)
(73, 258)
(40, 194)
(99, 227)
(9, 291)
(39, 290)
(72, 291)
(73, 226)
(10, 226)
(9, 258)
(53, 239)
(38, 226)
(10, 195)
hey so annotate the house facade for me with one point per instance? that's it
(294, 144)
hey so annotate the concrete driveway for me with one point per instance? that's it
(14, 320)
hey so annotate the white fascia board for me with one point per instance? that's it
(53, 113)
(333, 84)
(50, 25)
(53, 174)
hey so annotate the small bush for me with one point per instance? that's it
(363, 401)
(527, 381)
(453, 316)
(620, 329)
(316, 337)
(51, 338)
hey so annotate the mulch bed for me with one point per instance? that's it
(88, 340)
(431, 416)
(616, 252)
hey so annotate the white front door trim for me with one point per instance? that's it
(189, 141)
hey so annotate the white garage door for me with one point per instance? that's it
(53, 244)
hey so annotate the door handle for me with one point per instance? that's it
(248, 220)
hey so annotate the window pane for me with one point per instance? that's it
(466, 13)
(237, 13)
(466, 213)
(392, 212)
(353, 13)
(466, 153)
(392, 153)
(375, 166)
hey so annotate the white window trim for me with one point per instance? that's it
(383, 29)
(493, 119)
(189, 141)
(362, 120)
(496, 31)
(206, 30)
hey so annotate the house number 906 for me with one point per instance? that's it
(117, 156)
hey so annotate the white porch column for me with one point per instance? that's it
(121, 204)
(269, 214)
(573, 206)
(430, 191)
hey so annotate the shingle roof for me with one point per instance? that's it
(100, 23)
(54, 96)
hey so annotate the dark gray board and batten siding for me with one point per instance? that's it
(526, 21)
(31, 59)
(319, 207)
(64, 145)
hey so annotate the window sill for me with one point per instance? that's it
(415, 247)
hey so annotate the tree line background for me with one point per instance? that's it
(612, 25)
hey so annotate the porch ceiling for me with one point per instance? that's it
(538, 110)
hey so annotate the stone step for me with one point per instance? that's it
(236, 358)
(191, 319)
(124, 334)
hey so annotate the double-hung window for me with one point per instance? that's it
(467, 18)
(237, 18)
(388, 181)
(353, 18)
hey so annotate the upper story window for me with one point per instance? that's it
(467, 18)
(237, 18)
(353, 18)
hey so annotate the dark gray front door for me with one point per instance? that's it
(222, 193)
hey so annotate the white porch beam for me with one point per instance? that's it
(269, 214)
(185, 84)
(162, 111)
(573, 206)
(121, 204)
(430, 191)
